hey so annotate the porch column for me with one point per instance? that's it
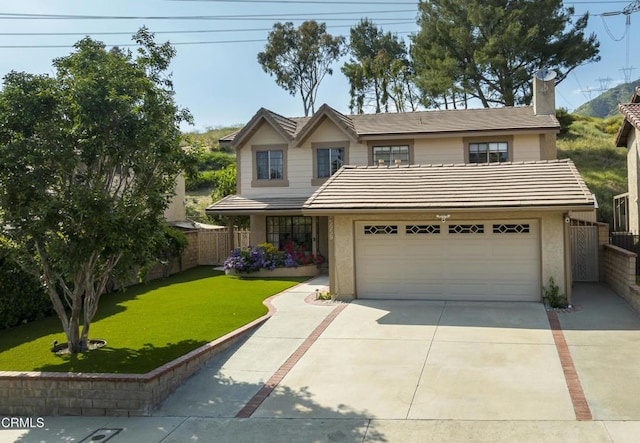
(231, 232)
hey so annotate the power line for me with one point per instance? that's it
(21, 16)
(196, 31)
(126, 45)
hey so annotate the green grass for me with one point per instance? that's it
(147, 325)
(590, 143)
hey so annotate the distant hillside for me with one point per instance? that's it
(606, 104)
(589, 142)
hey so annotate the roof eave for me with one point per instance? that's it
(447, 134)
(399, 210)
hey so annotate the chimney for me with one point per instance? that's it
(544, 92)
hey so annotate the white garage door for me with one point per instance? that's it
(484, 260)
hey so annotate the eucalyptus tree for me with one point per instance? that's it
(379, 70)
(300, 58)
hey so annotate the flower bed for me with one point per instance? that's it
(265, 260)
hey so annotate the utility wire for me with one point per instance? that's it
(197, 31)
(21, 16)
(125, 45)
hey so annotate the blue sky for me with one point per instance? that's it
(223, 84)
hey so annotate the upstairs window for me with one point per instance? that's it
(328, 161)
(389, 154)
(490, 152)
(269, 165)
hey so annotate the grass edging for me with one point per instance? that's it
(97, 394)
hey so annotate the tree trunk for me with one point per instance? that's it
(74, 341)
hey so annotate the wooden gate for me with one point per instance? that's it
(584, 253)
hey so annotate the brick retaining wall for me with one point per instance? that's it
(620, 274)
(55, 393)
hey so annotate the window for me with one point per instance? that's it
(329, 160)
(389, 154)
(280, 230)
(490, 152)
(270, 165)
(328, 157)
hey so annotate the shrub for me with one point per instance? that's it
(22, 298)
(266, 256)
(553, 297)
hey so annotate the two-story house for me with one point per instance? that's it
(452, 205)
(626, 210)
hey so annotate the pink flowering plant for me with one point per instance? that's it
(267, 256)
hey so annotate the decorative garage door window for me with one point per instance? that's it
(422, 229)
(380, 229)
(466, 229)
(521, 228)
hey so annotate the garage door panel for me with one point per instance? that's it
(485, 265)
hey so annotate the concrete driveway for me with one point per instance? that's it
(406, 371)
(429, 360)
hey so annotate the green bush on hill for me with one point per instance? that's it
(590, 143)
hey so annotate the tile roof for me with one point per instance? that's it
(540, 184)
(631, 114)
(419, 122)
(238, 205)
(461, 120)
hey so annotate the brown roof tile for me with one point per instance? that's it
(235, 204)
(464, 120)
(631, 113)
(541, 184)
(429, 122)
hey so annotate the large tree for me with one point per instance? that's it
(490, 49)
(88, 161)
(300, 58)
(379, 70)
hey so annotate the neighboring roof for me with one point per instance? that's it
(541, 184)
(631, 114)
(238, 205)
(296, 129)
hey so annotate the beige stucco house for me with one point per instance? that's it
(449, 205)
(626, 213)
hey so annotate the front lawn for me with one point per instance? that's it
(147, 325)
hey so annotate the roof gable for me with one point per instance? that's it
(285, 127)
(343, 122)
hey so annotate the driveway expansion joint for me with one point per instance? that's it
(580, 405)
(266, 390)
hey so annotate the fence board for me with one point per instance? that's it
(213, 246)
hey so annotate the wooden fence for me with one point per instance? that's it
(213, 246)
